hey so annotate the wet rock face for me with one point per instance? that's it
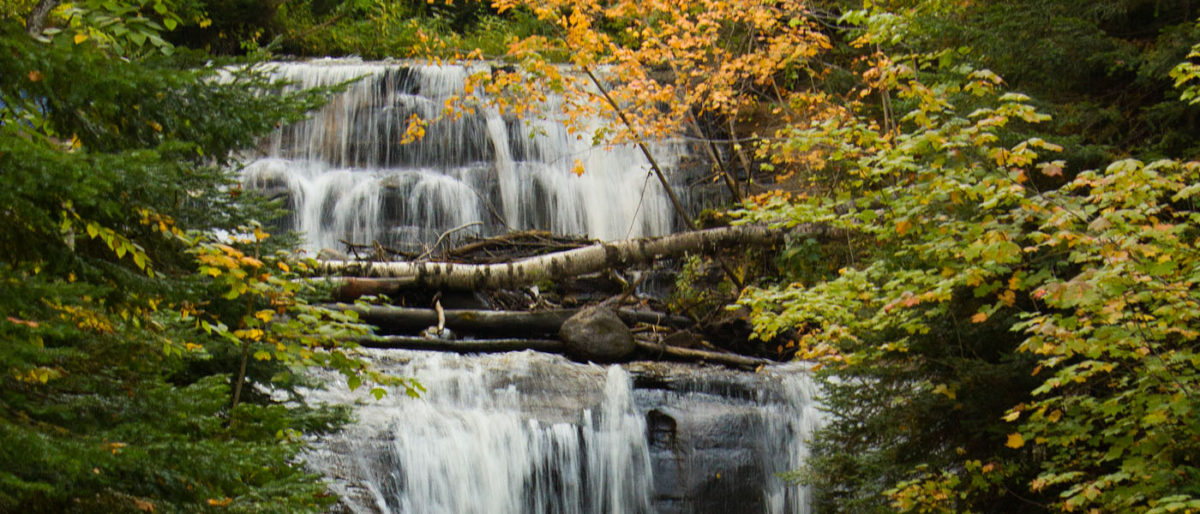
(597, 334)
(706, 454)
(526, 432)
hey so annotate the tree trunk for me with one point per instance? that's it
(410, 320)
(689, 355)
(557, 265)
(461, 346)
(551, 346)
(36, 21)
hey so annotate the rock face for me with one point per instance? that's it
(528, 432)
(717, 438)
(597, 334)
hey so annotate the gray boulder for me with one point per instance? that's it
(596, 334)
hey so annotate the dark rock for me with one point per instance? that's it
(597, 334)
(682, 339)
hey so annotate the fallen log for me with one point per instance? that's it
(411, 320)
(352, 288)
(554, 266)
(460, 345)
(548, 346)
(689, 355)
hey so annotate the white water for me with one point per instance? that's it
(476, 442)
(534, 433)
(348, 177)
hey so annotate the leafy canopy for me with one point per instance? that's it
(1000, 334)
(145, 317)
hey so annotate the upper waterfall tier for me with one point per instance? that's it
(347, 176)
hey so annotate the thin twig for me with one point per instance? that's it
(662, 178)
(442, 237)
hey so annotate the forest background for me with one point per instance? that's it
(1002, 307)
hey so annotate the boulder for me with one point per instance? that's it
(597, 334)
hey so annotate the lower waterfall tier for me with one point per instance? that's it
(535, 433)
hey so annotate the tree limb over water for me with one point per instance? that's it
(558, 265)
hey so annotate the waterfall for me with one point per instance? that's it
(519, 432)
(345, 174)
(526, 432)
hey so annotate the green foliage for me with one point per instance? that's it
(126, 319)
(382, 29)
(1004, 337)
(1187, 77)
(1100, 69)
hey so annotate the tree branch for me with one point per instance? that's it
(36, 21)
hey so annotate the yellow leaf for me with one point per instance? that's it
(1015, 440)
(1012, 416)
(253, 334)
(979, 317)
(79, 38)
(220, 502)
(577, 169)
(943, 390)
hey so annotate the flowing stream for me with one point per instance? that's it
(525, 432)
(518, 432)
(346, 176)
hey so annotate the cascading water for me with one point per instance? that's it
(534, 433)
(348, 177)
(517, 432)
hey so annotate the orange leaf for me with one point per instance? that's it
(31, 324)
(1052, 169)
(979, 317)
(902, 226)
(35, 76)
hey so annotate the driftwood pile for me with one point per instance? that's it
(516, 291)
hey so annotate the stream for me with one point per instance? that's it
(527, 432)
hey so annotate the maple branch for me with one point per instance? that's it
(662, 178)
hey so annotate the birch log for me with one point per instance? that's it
(553, 266)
